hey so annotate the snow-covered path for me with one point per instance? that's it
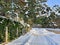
(37, 36)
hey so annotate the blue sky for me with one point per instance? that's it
(51, 3)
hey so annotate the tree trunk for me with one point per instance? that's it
(6, 35)
(17, 32)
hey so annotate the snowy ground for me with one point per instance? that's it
(55, 29)
(37, 36)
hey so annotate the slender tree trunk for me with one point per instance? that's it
(17, 32)
(6, 35)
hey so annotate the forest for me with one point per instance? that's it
(16, 16)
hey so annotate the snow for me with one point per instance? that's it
(26, 12)
(40, 32)
(28, 25)
(38, 16)
(26, 1)
(37, 36)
